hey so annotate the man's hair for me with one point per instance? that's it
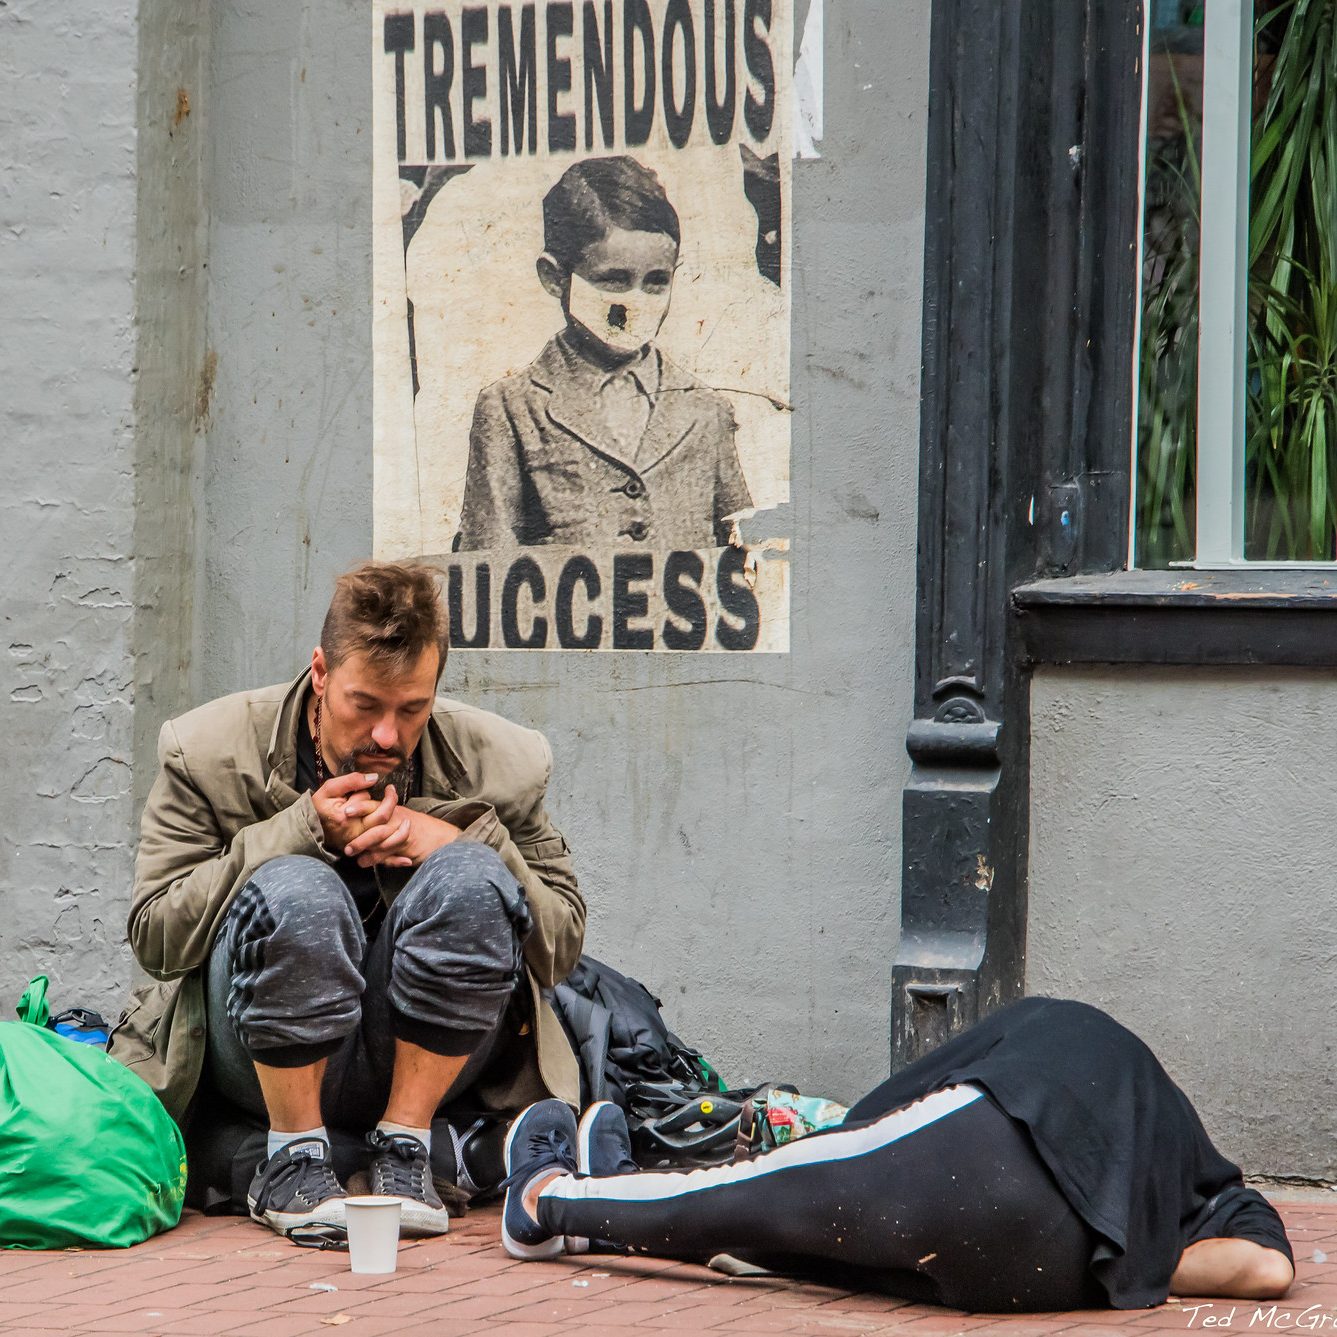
(598, 194)
(389, 611)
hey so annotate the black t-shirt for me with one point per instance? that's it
(363, 883)
(1120, 1138)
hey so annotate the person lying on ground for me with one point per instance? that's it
(353, 895)
(1042, 1160)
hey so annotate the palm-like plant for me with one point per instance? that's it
(1168, 371)
(1292, 382)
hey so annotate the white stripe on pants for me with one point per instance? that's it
(837, 1145)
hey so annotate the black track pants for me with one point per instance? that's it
(943, 1200)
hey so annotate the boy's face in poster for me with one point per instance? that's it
(480, 110)
(619, 291)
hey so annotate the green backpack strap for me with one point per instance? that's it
(32, 1006)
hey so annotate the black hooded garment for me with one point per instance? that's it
(1120, 1138)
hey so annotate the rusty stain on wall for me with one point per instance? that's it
(206, 389)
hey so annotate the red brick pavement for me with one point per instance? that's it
(226, 1276)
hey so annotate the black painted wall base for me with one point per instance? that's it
(962, 936)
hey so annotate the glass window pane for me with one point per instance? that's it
(1168, 353)
(1291, 381)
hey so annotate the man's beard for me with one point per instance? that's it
(399, 777)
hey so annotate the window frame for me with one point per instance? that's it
(1220, 495)
(1220, 610)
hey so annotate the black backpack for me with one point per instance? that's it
(677, 1108)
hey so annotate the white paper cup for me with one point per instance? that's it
(373, 1233)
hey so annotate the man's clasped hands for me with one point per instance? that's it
(376, 833)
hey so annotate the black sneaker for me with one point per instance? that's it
(542, 1138)
(400, 1168)
(469, 1156)
(297, 1187)
(603, 1149)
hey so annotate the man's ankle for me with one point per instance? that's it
(423, 1135)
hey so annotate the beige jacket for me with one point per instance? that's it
(224, 803)
(546, 467)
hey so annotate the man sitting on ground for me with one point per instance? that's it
(352, 894)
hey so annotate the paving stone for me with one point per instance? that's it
(12, 1310)
(363, 1325)
(142, 1321)
(418, 1328)
(596, 1328)
(417, 1305)
(219, 1277)
(202, 1324)
(62, 1318)
(271, 1325)
(1041, 1326)
(501, 1283)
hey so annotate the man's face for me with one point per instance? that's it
(372, 717)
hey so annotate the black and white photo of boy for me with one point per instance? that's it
(602, 440)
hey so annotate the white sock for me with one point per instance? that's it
(278, 1140)
(424, 1135)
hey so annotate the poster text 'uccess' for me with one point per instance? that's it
(620, 601)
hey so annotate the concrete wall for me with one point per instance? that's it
(285, 486)
(735, 821)
(67, 384)
(176, 369)
(1182, 847)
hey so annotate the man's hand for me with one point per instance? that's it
(346, 809)
(402, 839)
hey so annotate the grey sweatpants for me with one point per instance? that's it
(293, 980)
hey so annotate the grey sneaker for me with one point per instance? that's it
(400, 1168)
(297, 1188)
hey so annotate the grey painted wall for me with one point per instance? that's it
(1182, 873)
(285, 488)
(67, 360)
(736, 822)
(175, 368)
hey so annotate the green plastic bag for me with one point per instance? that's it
(88, 1156)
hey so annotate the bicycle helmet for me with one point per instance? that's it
(673, 1125)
